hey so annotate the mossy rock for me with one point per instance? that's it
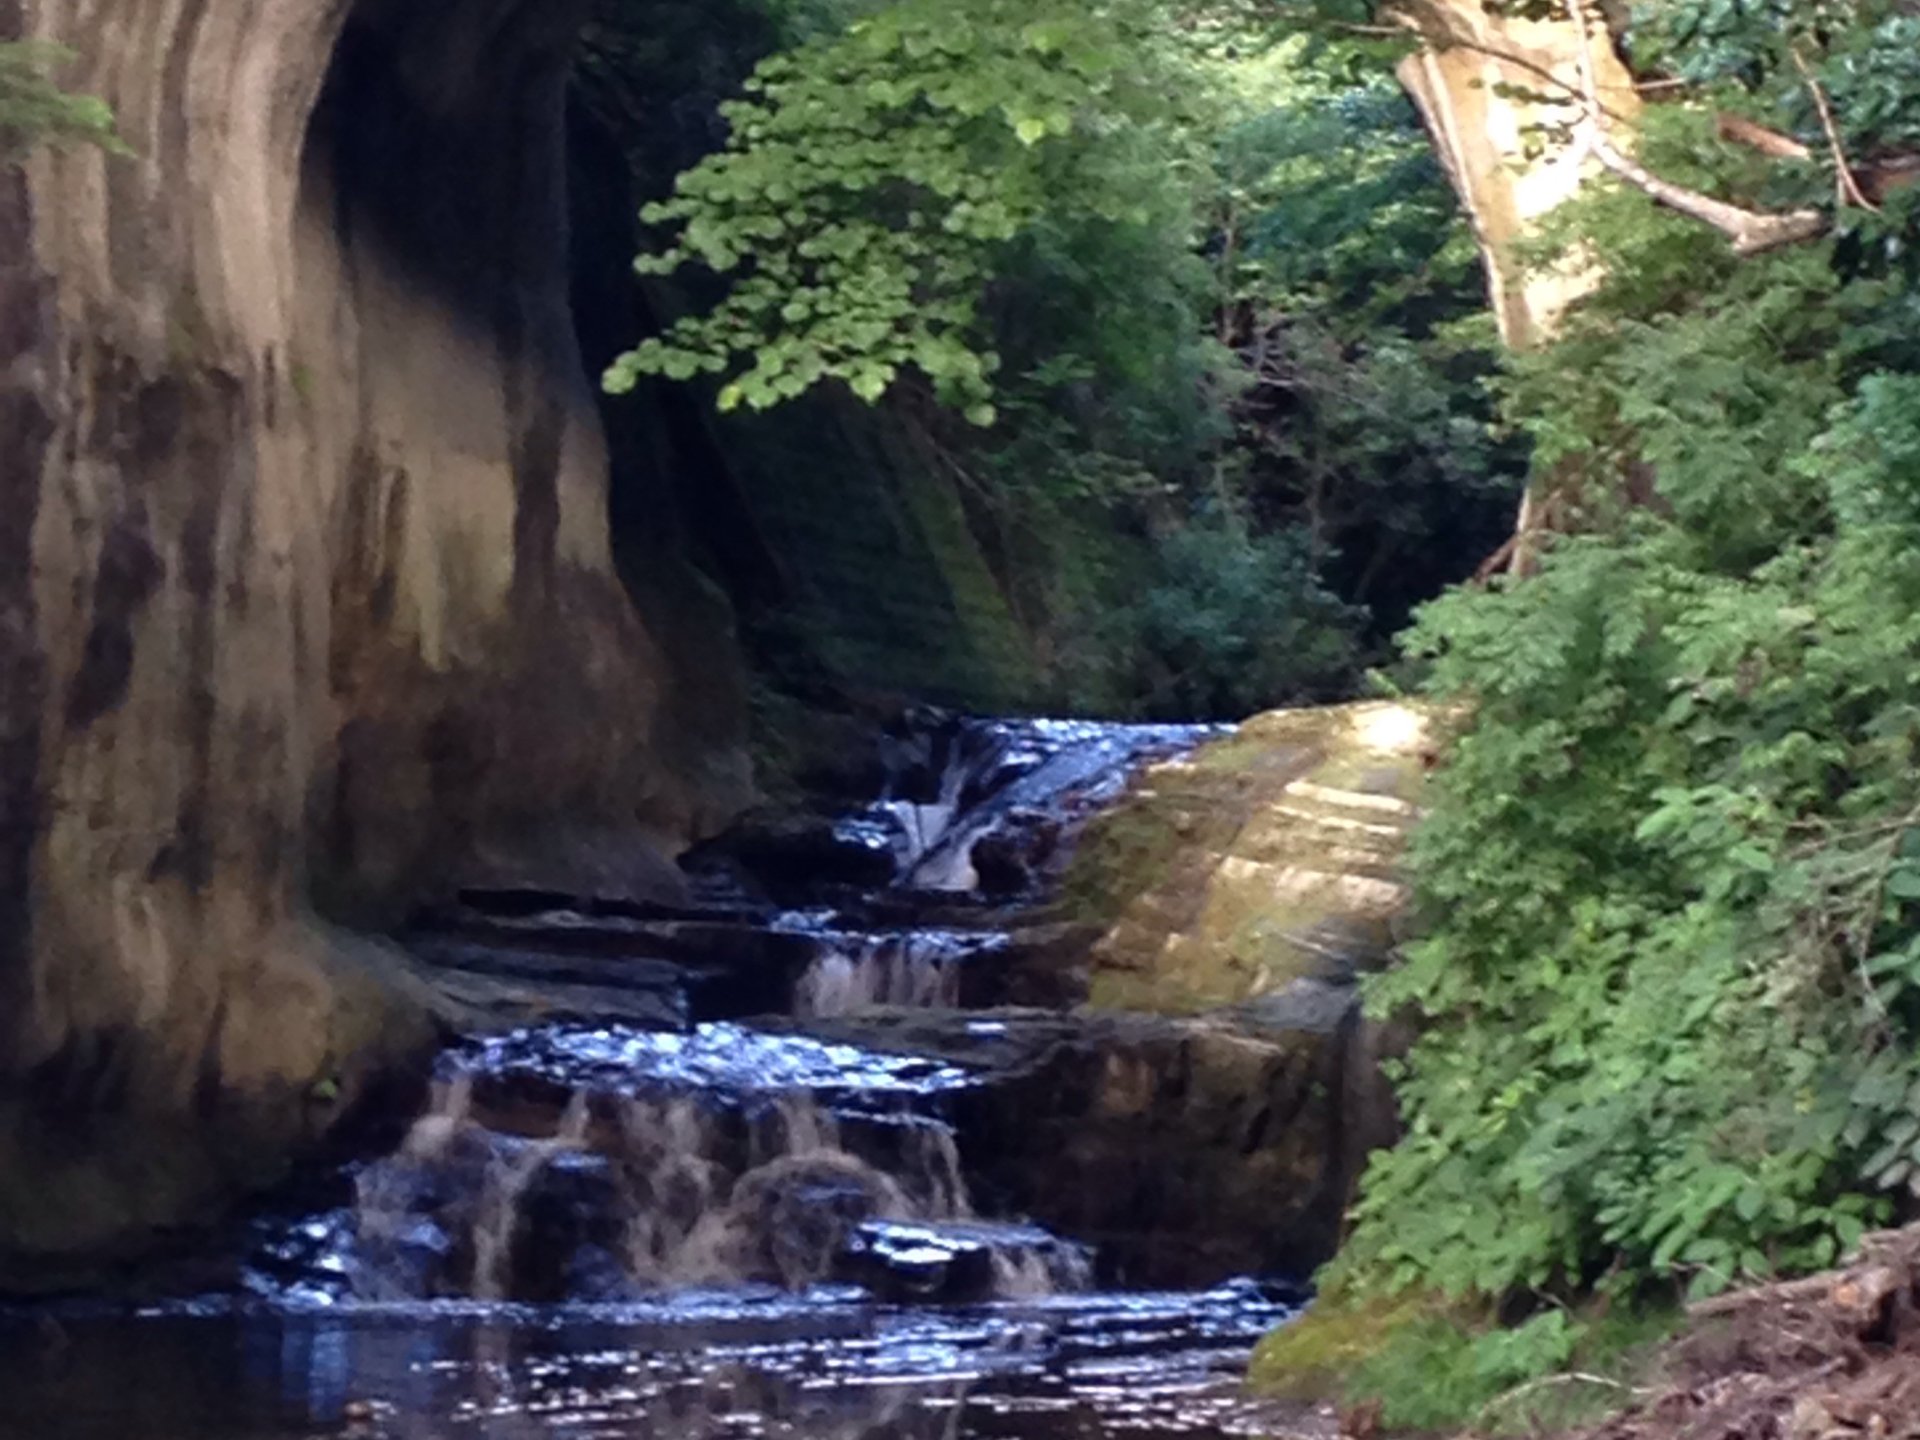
(1267, 858)
(1316, 1355)
(1422, 1363)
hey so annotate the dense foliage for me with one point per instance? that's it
(1209, 306)
(871, 175)
(1669, 982)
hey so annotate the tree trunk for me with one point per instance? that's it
(1485, 84)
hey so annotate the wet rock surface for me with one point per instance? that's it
(1183, 1150)
(937, 892)
(1262, 872)
(807, 1046)
(843, 1088)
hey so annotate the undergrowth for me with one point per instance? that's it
(1667, 977)
(1427, 1363)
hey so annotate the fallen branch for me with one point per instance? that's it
(1549, 1382)
(1850, 191)
(1756, 136)
(1499, 561)
(1783, 1292)
(1751, 231)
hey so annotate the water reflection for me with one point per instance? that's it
(819, 1367)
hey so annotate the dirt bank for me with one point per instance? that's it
(1831, 1357)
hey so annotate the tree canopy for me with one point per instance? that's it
(1178, 267)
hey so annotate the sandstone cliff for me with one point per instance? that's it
(306, 604)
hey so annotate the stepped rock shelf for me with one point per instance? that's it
(893, 1093)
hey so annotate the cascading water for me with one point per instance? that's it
(1037, 772)
(724, 1225)
(662, 1187)
(914, 970)
(508, 1179)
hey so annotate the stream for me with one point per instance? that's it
(781, 1157)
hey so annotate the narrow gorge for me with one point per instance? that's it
(841, 1105)
(889, 718)
(380, 818)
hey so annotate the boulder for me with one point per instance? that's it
(959, 1262)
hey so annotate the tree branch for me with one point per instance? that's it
(1751, 231)
(1445, 37)
(1850, 191)
(1759, 137)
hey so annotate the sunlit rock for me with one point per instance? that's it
(1261, 866)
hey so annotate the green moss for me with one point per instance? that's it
(891, 589)
(1263, 858)
(1315, 1356)
(1124, 852)
(1431, 1364)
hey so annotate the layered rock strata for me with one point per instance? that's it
(305, 598)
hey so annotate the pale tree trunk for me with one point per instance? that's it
(1523, 113)
(1486, 84)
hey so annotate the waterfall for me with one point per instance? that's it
(1036, 1273)
(925, 822)
(604, 1151)
(696, 1192)
(450, 1103)
(508, 1179)
(917, 971)
(702, 1214)
(787, 1211)
(932, 1159)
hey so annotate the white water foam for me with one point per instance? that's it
(710, 1196)
(859, 973)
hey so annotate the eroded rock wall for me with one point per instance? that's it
(305, 597)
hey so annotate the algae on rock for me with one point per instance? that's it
(1261, 865)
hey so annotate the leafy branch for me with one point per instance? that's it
(872, 179)
(1751, 231)
(35, 110)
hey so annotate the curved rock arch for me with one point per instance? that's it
(305, 594)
